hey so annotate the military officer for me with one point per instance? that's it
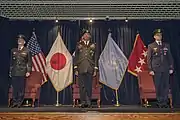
(85, 65)
(20, 68)
(160, 63)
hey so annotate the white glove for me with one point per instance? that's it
(27, 74)
(151, 72)
(170, 71)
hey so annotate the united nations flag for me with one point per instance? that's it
(112, 64)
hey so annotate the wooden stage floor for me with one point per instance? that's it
(104, 113)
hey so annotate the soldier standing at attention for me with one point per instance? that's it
(160, 63)
(85, 65)
(20, 68)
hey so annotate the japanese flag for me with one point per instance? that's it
(59, 65)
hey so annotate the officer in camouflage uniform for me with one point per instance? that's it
(85, 65)
(20, 68)
(160, 63)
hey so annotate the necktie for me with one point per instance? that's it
(86, 42)
(160, 43)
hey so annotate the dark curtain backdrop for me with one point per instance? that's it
(123, 34)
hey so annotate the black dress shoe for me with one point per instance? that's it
(18, 106)
(13, 106)
(159, 105)
(166, 106)
(89, 106)
(83, 105)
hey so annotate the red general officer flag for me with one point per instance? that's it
(138, 57)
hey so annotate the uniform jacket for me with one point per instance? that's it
(85, 57)
(159, 58)
(20, 62)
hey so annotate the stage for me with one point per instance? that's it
(103, 109)
(124, 112)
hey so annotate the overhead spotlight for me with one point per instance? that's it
(90, 20)
(126, 20)
(56, 21)
(107, 18)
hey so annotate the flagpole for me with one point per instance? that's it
(117, 99)
(57, 100)
(57, 96)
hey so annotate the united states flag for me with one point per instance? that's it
(38, 58)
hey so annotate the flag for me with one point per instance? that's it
(59, 65)
(138, 57)
(38, 58)
(112, 64)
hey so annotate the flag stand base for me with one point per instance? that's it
(58, 104)
(117, 105)
(27, 104)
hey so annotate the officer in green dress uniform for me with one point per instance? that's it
(20, 68)
(85, 65)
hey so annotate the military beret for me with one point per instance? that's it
(157, 31)
(21, 36)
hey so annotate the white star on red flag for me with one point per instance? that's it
(141, 61)
(144, 53)
(138, 69)
(138, 57)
